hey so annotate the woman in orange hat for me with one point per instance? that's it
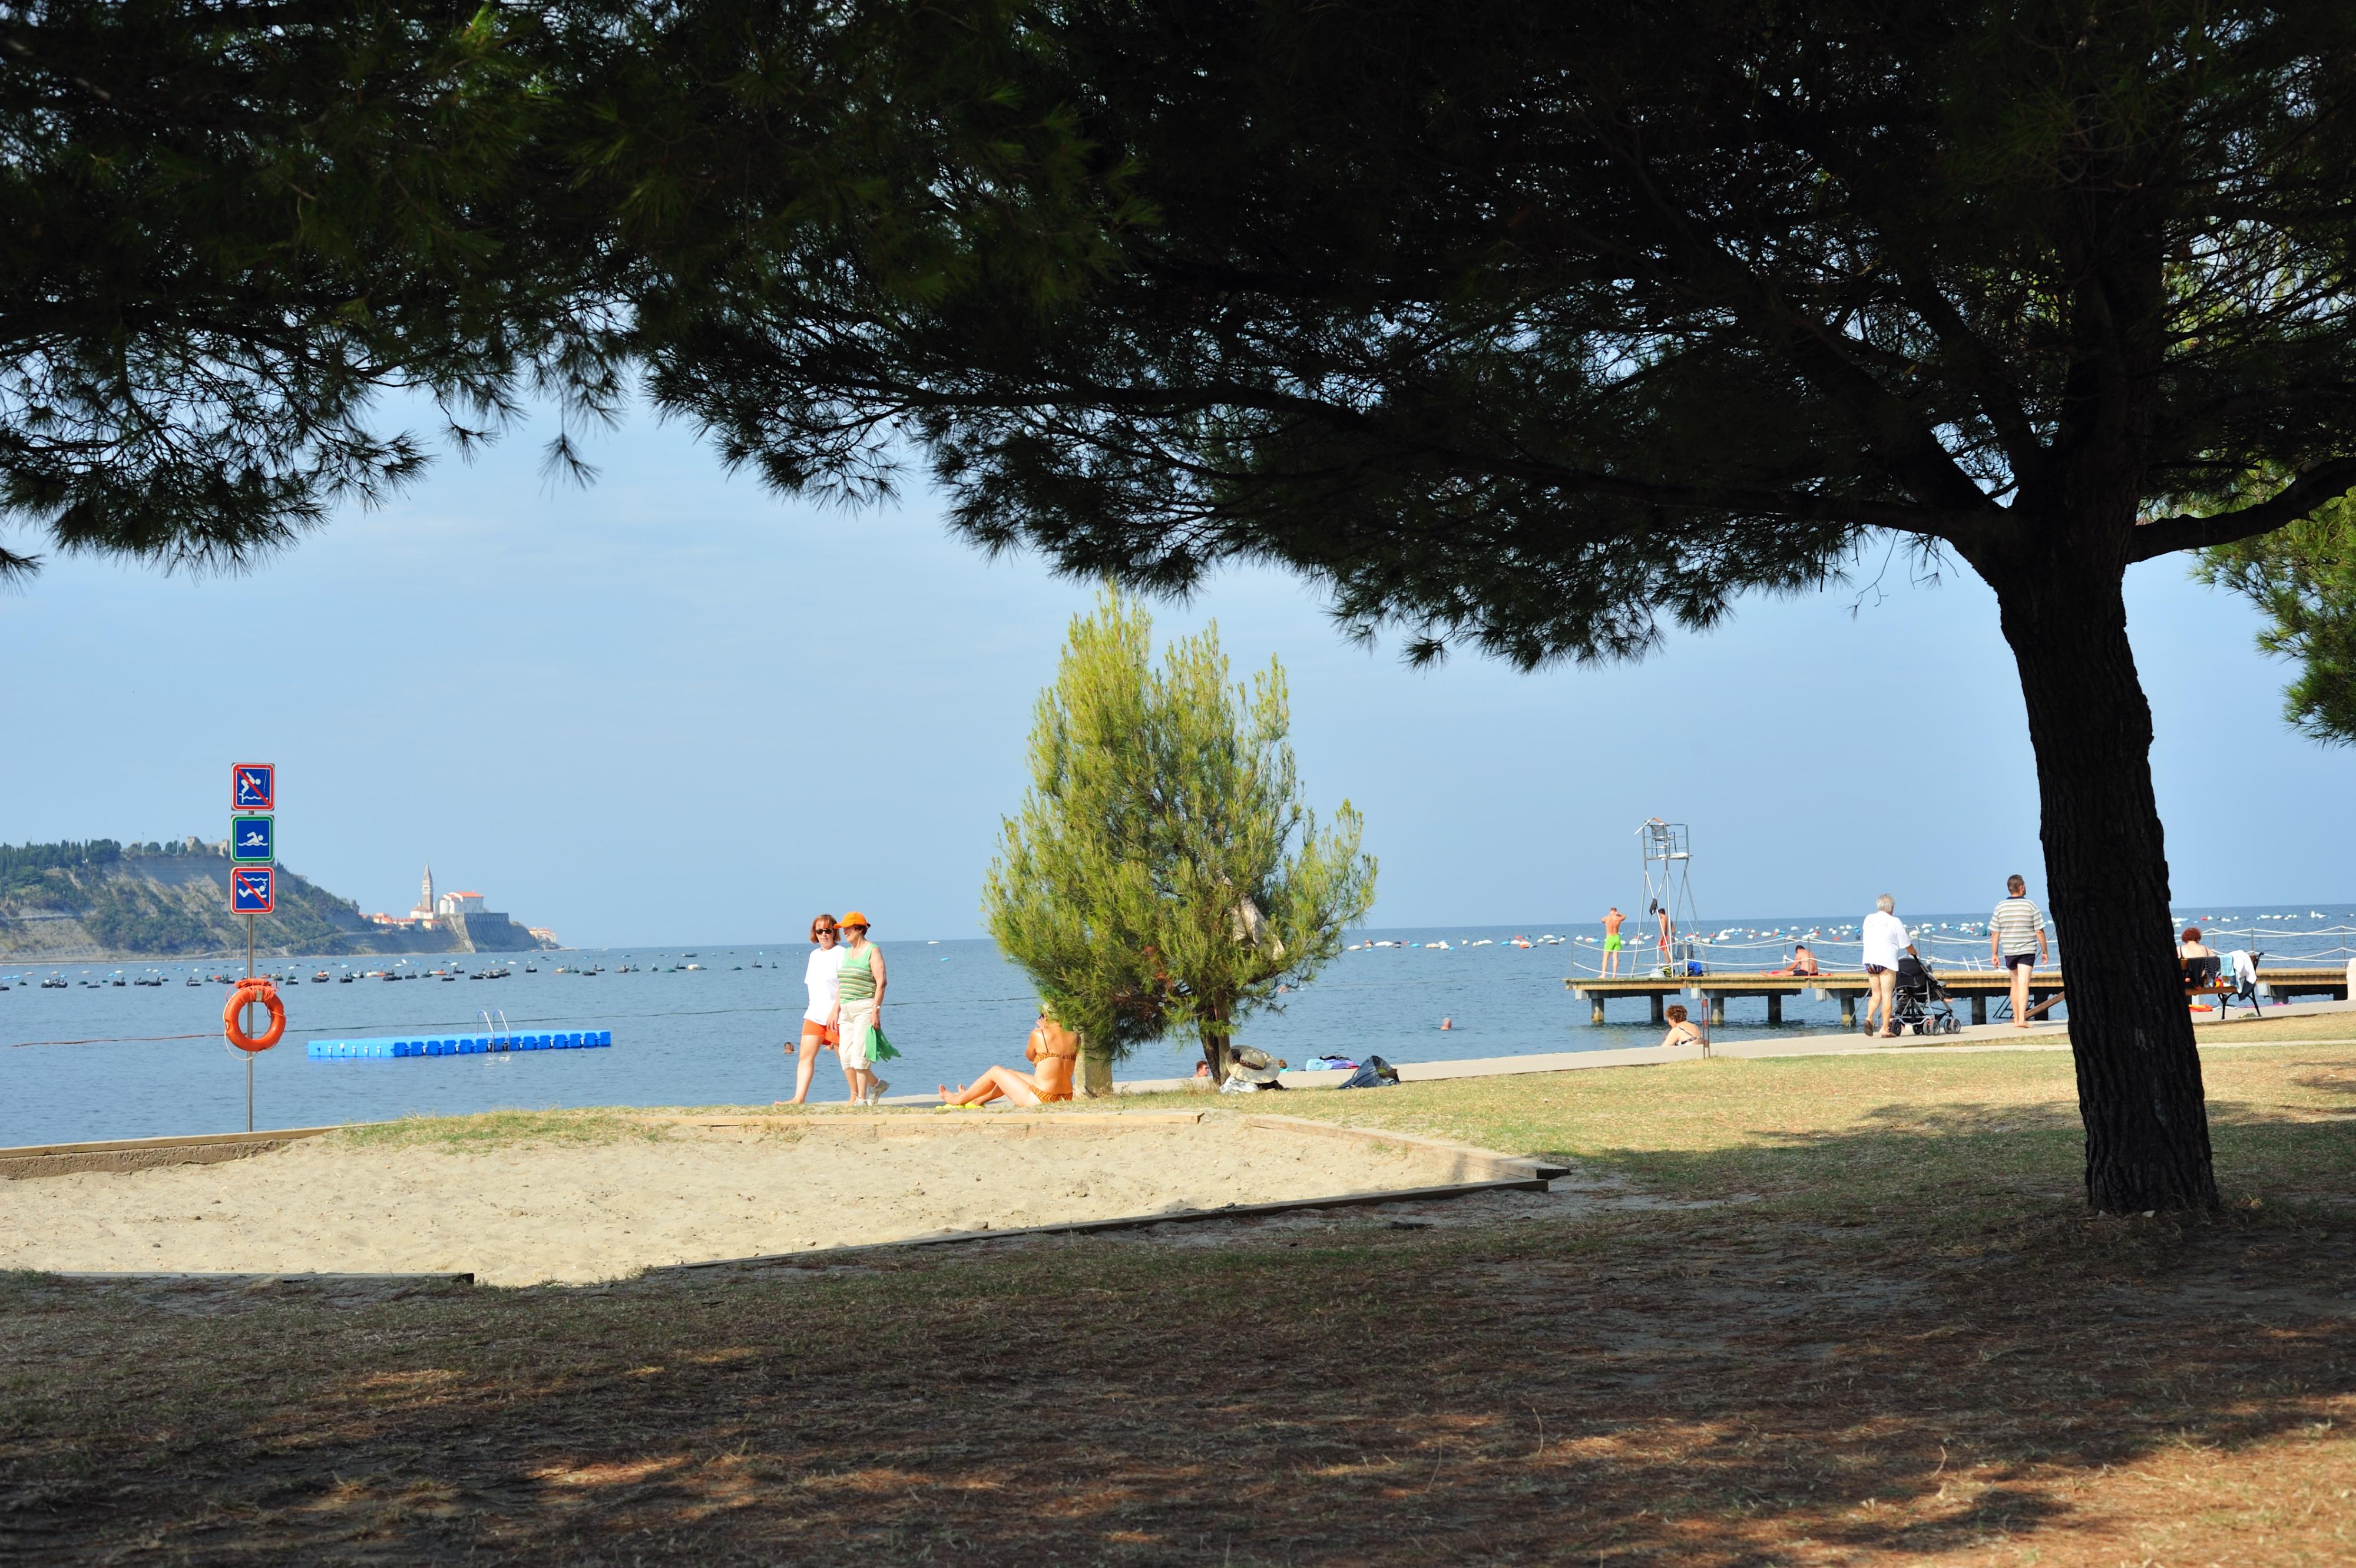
(858, 1016)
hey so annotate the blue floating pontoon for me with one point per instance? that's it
(456, 1046)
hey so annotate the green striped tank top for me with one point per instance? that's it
(857, 979)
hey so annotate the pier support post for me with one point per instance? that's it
(1774, 1007)
(1979, 1009)
(1658, 1017)
(1595, 1006)
(1848, 1009)
(1717, 1009)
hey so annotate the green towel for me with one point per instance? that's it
(879, 1050)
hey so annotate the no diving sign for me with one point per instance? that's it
(252, 890)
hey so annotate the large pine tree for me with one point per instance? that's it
(1542, 327)
(1163, 873)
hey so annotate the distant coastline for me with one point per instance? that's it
(101, 899)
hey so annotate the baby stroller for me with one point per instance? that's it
(1921, 1001)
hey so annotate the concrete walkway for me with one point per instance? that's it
(1984, 1038)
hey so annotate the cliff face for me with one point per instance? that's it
(66, 903)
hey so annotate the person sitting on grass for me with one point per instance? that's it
(1684, 1031)
(1056, 1050)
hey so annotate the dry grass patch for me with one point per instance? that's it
(498, 1129)
(1872, 1359)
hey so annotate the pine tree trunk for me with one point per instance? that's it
(1095, 1074)
(1215, 1031)
(2139, 1089)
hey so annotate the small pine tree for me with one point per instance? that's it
(1163, 874)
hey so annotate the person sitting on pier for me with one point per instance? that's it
(1684, 1031)
(1056, 1050)
(1804, 961)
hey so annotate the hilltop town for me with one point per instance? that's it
(102, 899)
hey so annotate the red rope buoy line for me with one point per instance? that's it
(253, 989)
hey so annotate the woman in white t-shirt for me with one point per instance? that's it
(817, 1018)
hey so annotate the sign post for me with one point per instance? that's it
(253, 875)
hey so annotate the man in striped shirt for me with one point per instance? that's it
(2017, 941)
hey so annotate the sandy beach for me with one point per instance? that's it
(523, 1213)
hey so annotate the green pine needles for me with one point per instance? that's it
(1163, 875)
(2303, 578)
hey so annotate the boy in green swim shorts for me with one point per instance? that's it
(1611, 943)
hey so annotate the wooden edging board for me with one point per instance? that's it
(819, 1256)
(143, 1153)
(298, 1277)
(909, 1121)
(1494, 1166)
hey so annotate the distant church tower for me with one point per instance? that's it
(425, 898)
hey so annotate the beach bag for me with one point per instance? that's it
(879, 1050)
(1367, 1078)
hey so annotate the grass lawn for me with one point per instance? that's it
(1829, 1310)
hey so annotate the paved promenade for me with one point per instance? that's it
(1984, 1038)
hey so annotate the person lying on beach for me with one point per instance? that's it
(1056, 1050)
(1683, 1030)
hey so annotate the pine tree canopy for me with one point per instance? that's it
(1540, 326)
(1163, 873)
(2303, 579)
(228, 230)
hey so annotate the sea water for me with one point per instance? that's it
(136, 1061)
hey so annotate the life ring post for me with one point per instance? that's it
(251, 993)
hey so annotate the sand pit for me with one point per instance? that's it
(523, 1213)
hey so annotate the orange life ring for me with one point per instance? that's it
(254, 988)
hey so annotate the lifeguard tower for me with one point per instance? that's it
(1668, 885)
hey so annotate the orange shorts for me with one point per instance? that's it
(820, 1033)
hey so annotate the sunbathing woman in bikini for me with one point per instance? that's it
(1056, 1050)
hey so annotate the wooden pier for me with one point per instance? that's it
(1977, 986)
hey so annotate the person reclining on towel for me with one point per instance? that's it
(1803, 961)
(1056, 1050)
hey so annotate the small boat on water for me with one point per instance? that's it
(321, 978)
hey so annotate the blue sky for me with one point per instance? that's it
(672, 707)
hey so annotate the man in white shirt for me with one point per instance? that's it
(1885, 938)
